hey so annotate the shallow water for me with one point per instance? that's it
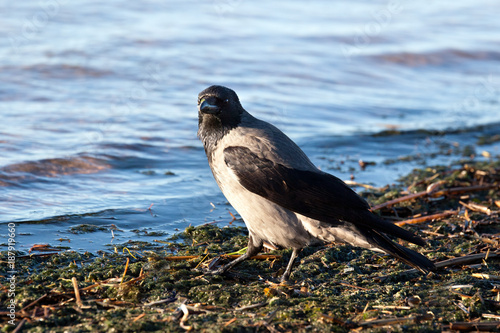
(98, 100)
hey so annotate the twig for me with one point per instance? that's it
(125, 271)
(477, 326)
(33, 303)
(454, 190)
(398, 200)
(490, 316)
(197, 309)
(465, 189)
(77, 292)
(432, 233)
(476, 207)
(19, 326)
(178, 312)
(92, 286)
(461, 286)
(179, 258)
(391, 307)
(257, 257)
(350, 285)
(230, 322)
(42, 248)
(270, 316)
(465, 260)
(426, 218)
(126, 249)
(252, 306)
(397, 320)
(202, 260)
(185, 317)
(486, 276)
(142, 314)
(462, 307)
(353, 183)
(139, 278)
(168, 300)
(37, 255)
(234, 217)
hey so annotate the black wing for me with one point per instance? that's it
(315, 194)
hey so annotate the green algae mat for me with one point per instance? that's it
(161, 286)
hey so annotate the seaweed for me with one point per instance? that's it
(163, 286)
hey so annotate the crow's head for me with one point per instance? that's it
(219, 111)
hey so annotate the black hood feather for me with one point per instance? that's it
(219, 111)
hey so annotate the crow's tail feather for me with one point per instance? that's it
(400, 252)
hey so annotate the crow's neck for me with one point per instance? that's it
(211, 130)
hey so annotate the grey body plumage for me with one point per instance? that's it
(282, 197)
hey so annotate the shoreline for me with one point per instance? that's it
(146, 286)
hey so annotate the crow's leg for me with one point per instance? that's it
(288, 270)
(252, 250)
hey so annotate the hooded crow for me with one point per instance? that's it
(282, 197)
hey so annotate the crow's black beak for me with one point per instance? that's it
(206, 107)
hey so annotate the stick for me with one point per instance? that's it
(426, 218)
(185, 317)
(234, 217)
(391, 307)
(77, 292)
(477, 326)
(398, 200)
(92, 286)
(230, 322)
(179, 258)
(167, 300)
(351, 285)
(476, 207)
(20, 326)
(454, 190)
(465, 260)
(490, 315)
(37, 255)
(252, 306)
(257, 257)
(33, 303)
(142, 314)
(42, 247)
(390, 321)
(353, 183)
(139, 278)
(125, 271)
(486, 276)
(458, 190)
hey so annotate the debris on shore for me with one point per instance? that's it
(161, 286)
